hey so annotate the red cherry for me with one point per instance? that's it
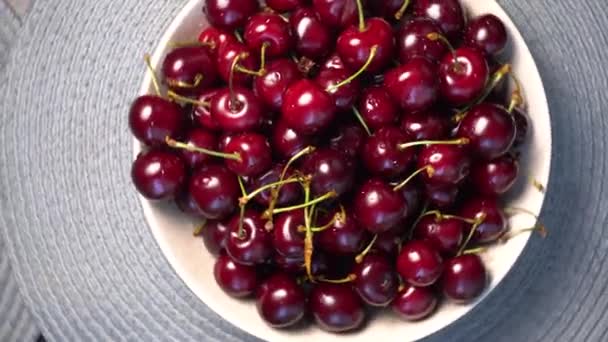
(271, 29)
(344, 96)
(464, 279)
(187, 70)
(158, 174)
(215, 37)
(348, 138)
(215, 190)
(215, 234)
(490, 129)
(153, 118)
(286, 142)
(336, 13)
(463, 75)
(226, 54)
(287, 239)
(414, 303)
(413, 42)
(441, 196)
(382, 156)
(344, 236)
(336, 307)
(281, 301)
(522, 123)
(451, 164)
(486, 33)
(199, 138)
(237, 111)
(354, 45)
(447, 14)
(413, 85)
(375, 280)
(235, 279)
(419, 263)
(229, 14)
(378, 207)
(254, 152)
(495, 177)
(254, 245)
(412, 193)
(279, 75)
(377, 108)
(334, 61)
(187, 205)
(494, 224)
(388, 244)
(427, 125)
(307, 108)
(330, 170)
(313, 39)
(444, 234)
(202, 114)
(288, 194)
(285, 5)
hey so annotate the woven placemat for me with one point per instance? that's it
(89, 267)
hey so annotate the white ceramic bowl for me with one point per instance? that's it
(194, 264)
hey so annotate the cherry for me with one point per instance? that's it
(412, 193)
(249, 242)
(495, 177)
(336, 307)
(444, 234)
(153, 118)
(375, 280)
(336, 13)
(313, 39)
(215, 234)
(494, 223)
(281, 301)
(378, 207)
(464, 278)
(288, 194)
(187, 204)
(486, 33)
(447, 14)
(288, 240)
(235, 279)
(522, 123)
(441, 196)
(320, 264)
(330, 170)
(307, 108)
(200, 138)
(342, 234)
(215, 37)
(348, 139)
(286, 142)
(334, 61)
(388, 9)
(255, 154)
(414, 303)
(229, 14)
(412, 41)
(387, 244)
(268, 28)
(237, 110)
(419, 263)
(413, 85)
(344, 96)
(382, 156)
(377, 108)
(451, 164)
(490, 129)
(201, 113)
(158, 174)
(224, 140)
(463, 75)
(279, 75)
(189, 69)
(215, 190)
(226, 54)
(426, 125)
(285, 5)
(355, 45)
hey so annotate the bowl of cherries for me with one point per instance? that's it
(341, 168)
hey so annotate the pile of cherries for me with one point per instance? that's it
(341, 153)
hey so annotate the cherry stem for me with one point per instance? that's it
(194, 43)
(308, 243)
(199, 229)
(478, 221)
(537, 185)
(269, 186)
(361, 120)
(516, 210)
(189, 147)
(440, 216)
(233, 100)
(372, 54)
(349, 278)
(241, 207)
(361, 16)
(402, 9)
(340, 216)
(475, 250)
(460, 141)
(360, 256)
(496, 78)
(517, 99)
(434, 36)
(306, 204)
(185, 85)
(539, 228)
(262, 69)
(242, 186)
(155, 82)
(429, 170)
(238, 36)
(171, 94)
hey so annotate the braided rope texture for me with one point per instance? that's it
(89, 267)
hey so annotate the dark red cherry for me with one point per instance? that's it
(336, 307)
(414, 303)
(413, 42)
(388, 244)
(344, 236)
(464, 278)
(348, 138)
(186, 203)
(215, 234)
(413, 85)
(215, 190)
(254, 152)
(334, 61)
(287, 238)
(286, 142)
(158, 174)
(419, 263)
(451, 164)
(271, 29)
(427, 125)
(378, 108)
(202, 114)
(288, 194)
(189, 69)
(486, 33)
(445, 234)
(200, 138)
(441, 196)
(494, 224)
(378, 207)
(153, 118)
(412, 193)
(330, 170)
(215, 37)
(382, 156)
(463, 75)
(490, 130)
(307, 108)
(447, 14)
(386, 9)
(229, 14)
(336, 13)
(235, 279)
(285, 5)
(226, 54)
(346, 95)
(375, 280)
(224, 140)
(254, 245)
(355, 46)
(522, 123)
(320, 264)
(495, 177)
(281, 301)
(313, 38)
(242, 113)
(279, 75)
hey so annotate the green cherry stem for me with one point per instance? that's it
(199, 229)
(460, 141)
(440, 216)
(173, 95)
(349, 278)
(361, 120)
(185, 85)
(270, 186)
(242, 206)
(360, 256)
(429, 169)
(434, 36)
(372, 54)
(306, 204)
(517, 99)
(361, 15)
(308, 242)
(238, 36)
(479, 220)
(402, 9)
(412, 228)
(194, 43)
(155, 82)
(188, 147)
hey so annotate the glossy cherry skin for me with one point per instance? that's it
(313, 38)
(244, 114)
(495, 177)
(378, 108)
(445, 234)
(255, 245)
(336, 13)
(226, 53)
(490, 129)
(229, 14)
(280, 73)
(271, 29)
(464, 278)
(158, 174)
(320, 264)
(345, 96)
(330, 170)
(281, 301)
(522, 124)
(286, 142)
(348, 139)
(307, 108)
(451, 164)
(413, 85)
(412, 193)
(288, 194)
(343, 237)
(376, 280)
(153, 118)
(382, 156)
(377, 207)
(495, 223)
(412, 41)
(224, 140)
(441, 196)
(354, 46)
(254, 151)
(287, 239)
(385, 9)
(447, 14)
(185, 64)
(215, 190)
(200, 138)
(387, 244)
(334, 61)
(486, 33)
(428, 125)
(285, 5)
(414, 303)
(235, 279)
(215, 234)
(336, 307)
(463, 76)
(215, 37)
(202, 114)
(186, 204)
(419, 263)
